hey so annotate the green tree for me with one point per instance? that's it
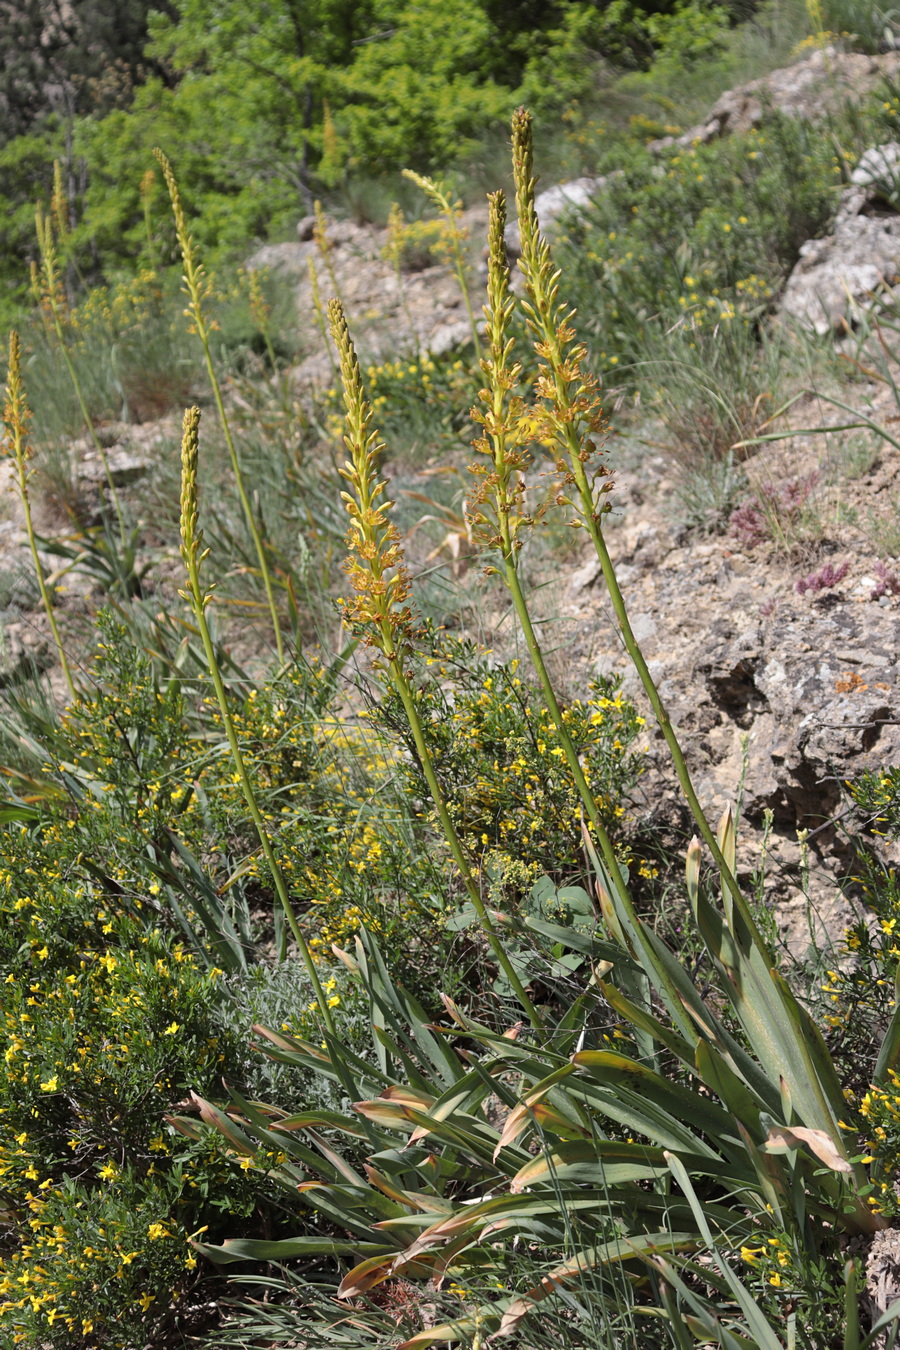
(424, 87)
(267, 71)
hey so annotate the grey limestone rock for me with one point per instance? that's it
(550, 205)
(844, 271)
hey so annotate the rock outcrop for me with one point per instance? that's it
(812, 88)
(421, 311)
(779, 697)
(841, 274)
(575, 195)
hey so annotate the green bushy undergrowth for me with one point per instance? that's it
(260, 116)
(699, 239)
(117, 1002)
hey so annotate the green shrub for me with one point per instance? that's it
(425, 401)
(114, 1001)
(107, 1023)
(699, 238)
(497, 755)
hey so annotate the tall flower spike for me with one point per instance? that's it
(496, 506)
(196, 283)
(378, 610)
(53, 296)
(197, 287)
(191, 535)
(569, 412)
(572, 413)
(191, 546)
(500, 493)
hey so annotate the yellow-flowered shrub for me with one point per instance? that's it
(497, 753)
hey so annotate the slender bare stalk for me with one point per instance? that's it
(438, 194)
(319, 312)
(16, 416)
(261, 313)
(53, 304)
(393, 251)
(193, 554)
(196, 287)
(148, 192)
(379, 613)
(326, 248)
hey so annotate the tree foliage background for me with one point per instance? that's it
(264, 106)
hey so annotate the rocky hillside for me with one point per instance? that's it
(775, 640)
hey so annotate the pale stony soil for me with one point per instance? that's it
(778, 696)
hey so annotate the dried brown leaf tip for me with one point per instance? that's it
(378, 611)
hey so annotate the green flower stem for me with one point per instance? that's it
(242, 493)
(401, 684)
(193, 557)
(89, 422)
(549, 323)
(504, 492)
(197, 289)
(381, 585)
(319, 312)
(513, 582)
(459, 268)
(22, 473)
(393, 250)
(16, 415)
(439, 195)
(591, 521)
